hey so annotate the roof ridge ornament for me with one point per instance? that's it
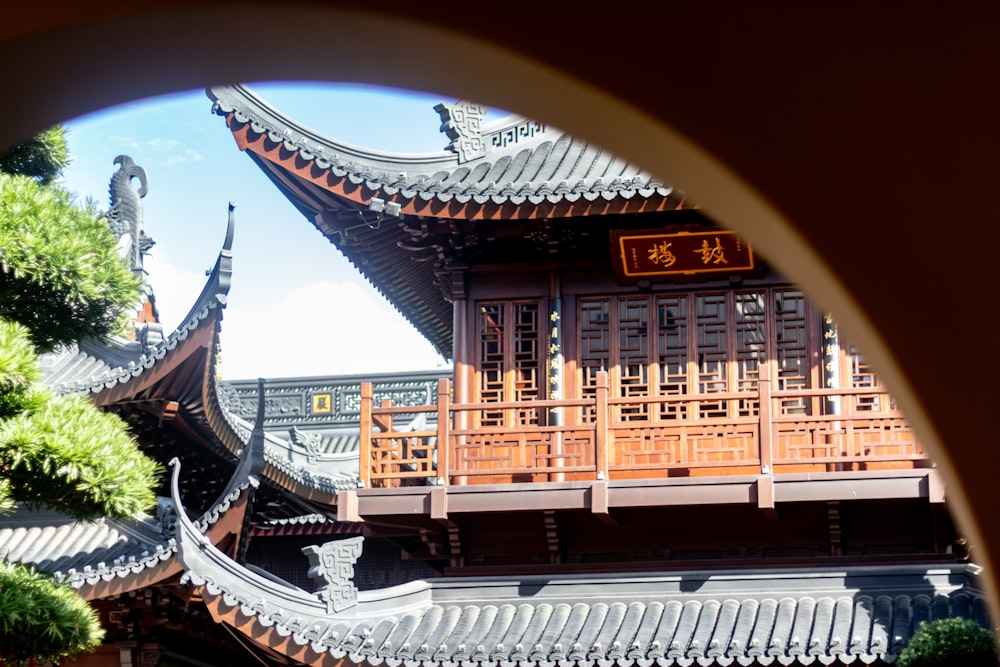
(462, 123)
(124, 218)
(332, 565)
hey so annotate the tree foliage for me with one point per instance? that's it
(61, 280)
(41, 620)
(66, 455)
(950, 641)
(60, 275)
(42, 158)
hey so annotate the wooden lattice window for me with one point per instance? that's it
(862, 376)
(699, 343)
(751, 345)
(791, 354)
(672, 353)
(510, 360)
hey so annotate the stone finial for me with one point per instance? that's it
(331, 566)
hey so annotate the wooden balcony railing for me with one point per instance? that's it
(602, 437)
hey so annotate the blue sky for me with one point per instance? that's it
(296, 307)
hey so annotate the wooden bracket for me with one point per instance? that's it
(599, 503)
(168, 410)
(599, 496)
(552, 536)
(347, 506)
(431, 541)
(935, 486)
(439, 503)
(833, 525)
(455, 545)
(765, 492)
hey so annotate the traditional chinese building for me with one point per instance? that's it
(651, 448)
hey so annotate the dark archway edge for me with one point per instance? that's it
(854, 144)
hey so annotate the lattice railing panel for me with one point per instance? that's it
(523, 451)
(734, 443)
(683, 445)
(396, 456)
(647, 448)
(854, 438)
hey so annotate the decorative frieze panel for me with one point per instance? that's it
(523, 131)
(326, 401)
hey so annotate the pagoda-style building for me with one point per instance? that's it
(651, 448)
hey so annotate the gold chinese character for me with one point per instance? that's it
(321, 403)
(553, 349)
(710, 254)
(661, 254)
(555, 333)
(554, 316)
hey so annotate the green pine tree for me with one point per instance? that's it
(60, 281)
(950, 641)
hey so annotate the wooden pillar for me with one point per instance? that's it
(554, 375)
(443, 430)
(463, 319)
(365, 444)
(601, 425)
(766, 425)
(831, 363)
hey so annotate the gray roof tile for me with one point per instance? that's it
(750, 617)
(523, 160)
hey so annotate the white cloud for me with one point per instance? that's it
(188, 155)
(174, 288)
(163, 145)
(321, 328)
(124, 141)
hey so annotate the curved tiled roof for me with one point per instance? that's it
(406, 220)
(56, 543)
(120, 370)
(88, 359)
(88, 555)
(110, 375)
(515, 161)
(747, 617)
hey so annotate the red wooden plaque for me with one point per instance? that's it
(649, 254)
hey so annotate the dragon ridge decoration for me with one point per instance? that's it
(124, 218)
